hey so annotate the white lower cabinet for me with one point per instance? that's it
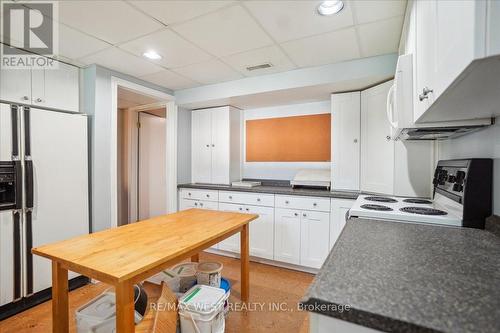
(287, 235)
(338, 215)
(189, 203)
(262, 232)
(314, 235)
(232, 243)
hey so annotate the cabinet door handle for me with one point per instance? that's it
(213, 145)
(241, 208)
(231, 197)
(201, 204)
(25, 98)
(258, 199)
(287, 202)
(315, 204)
(196, 204)
(208, 195)
(247, 209)
(189, 193)
(208, 146)
(304, 215)
(39, 100)
(425, 94)
(296, 214)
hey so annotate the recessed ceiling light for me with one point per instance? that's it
(152, 55)
(327, 8)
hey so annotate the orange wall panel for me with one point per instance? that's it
(289, 139)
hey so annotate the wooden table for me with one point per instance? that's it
(129, 254)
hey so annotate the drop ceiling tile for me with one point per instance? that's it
(268, 54)
(287, 20)
(224, 32)
(367, 11)
(169, 79)
(74, 44)
(170, 12)
(213, 71)
(323, 49)
(121, 61)
(112, 21)
(380, 37)
(175, 51)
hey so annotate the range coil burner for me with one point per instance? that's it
(376, 207)
(381, 199)
(423, 211)
(417, 201)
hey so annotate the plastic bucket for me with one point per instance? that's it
(186, 272)
(201, 310)
(224, 284)
(209, 274)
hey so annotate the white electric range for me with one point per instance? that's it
(462, 198)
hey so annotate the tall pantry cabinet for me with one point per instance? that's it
(216, 145)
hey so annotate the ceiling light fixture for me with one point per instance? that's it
(327, 8)
(153, 55)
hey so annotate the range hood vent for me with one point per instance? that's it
(261, 66)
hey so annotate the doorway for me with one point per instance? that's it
(141, 147)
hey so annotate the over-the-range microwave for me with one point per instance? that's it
(400, 111)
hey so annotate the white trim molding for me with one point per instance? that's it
(171, 123)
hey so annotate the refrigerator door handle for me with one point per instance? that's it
(28, 180)
(29, 255)
(27, 133)
(18, 169)
(14, 132)
(17, 254)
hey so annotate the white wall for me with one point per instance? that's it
(183, 146)
(482, 144)
(281, 170)
(97, 104)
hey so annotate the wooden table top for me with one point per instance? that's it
(122, 253)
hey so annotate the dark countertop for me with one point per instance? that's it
(286, 190)
(403, 277)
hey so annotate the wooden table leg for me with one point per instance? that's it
(60, 309)
(125, 307)
(245, 264)
(195, 258)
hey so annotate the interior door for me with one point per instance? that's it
(220, 145)
(262, 232)
(152, 176)
(287, 235)
(60, 179)
(377, 148)
(201, 161)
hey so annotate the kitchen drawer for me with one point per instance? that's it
(195, 194)
(245, 198)
(303, 203)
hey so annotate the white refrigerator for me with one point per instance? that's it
(43, 197)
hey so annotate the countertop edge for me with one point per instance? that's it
(363, 318)
(285, 191)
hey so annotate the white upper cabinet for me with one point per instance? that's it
(47, 88)
(56, 88)
(15, 85)
(345, 140)
(216, 142)
(457, 63)
(377, 148)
